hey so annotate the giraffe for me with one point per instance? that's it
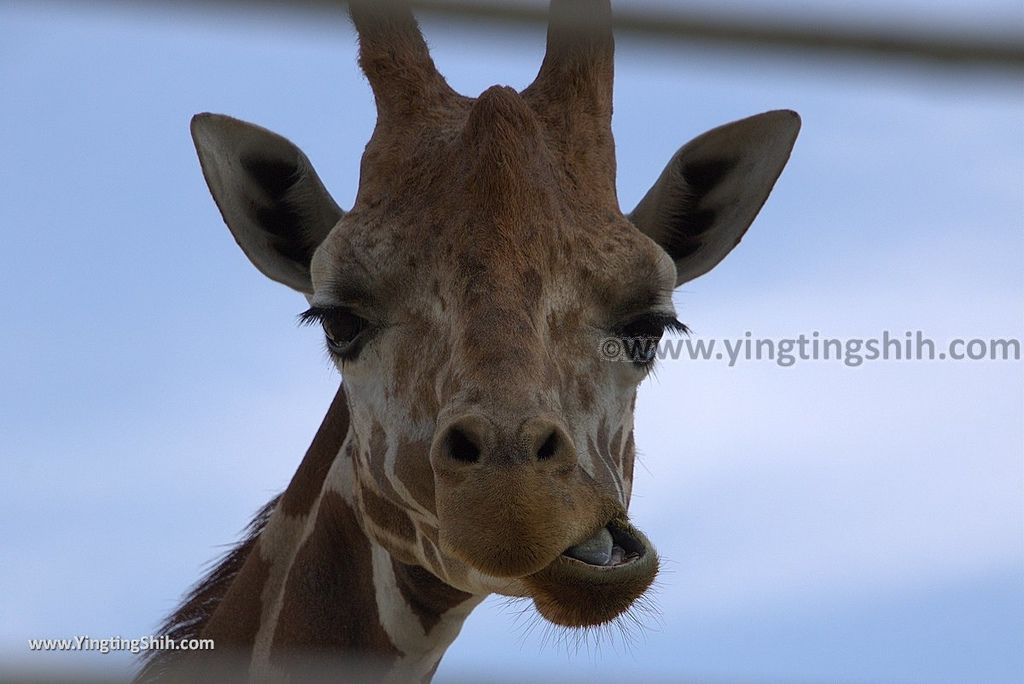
(479, 443)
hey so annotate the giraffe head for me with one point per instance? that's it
(466, 296)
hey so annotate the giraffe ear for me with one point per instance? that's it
(712, 189)
(269, 195)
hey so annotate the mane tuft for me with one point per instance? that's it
(188, 621)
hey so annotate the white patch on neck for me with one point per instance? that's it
(279, 542)
(420, 651)
(341, 477)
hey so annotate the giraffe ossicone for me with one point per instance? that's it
(479, 442)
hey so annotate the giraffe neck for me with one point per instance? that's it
(317, 591)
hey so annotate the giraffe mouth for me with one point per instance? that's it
(596, 580)
(613, 545)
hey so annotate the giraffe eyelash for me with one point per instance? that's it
(315, 314)
(674, 325)
(641, 336)
(654, 322)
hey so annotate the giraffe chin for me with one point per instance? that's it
(575, 593)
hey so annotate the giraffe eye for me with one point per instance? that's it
(344, 331)
(640, 337)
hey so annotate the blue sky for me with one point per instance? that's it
(820, 523)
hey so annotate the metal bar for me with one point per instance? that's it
(679, 27)
(827, 40)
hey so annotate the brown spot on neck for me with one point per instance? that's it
(386, 515)
(308, 480)
(426, 595)
(237, 620)
(413, 470)
(329, 604)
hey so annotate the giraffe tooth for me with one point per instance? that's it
(596, 551)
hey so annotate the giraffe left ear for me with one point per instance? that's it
(268, 194)
(713, 188)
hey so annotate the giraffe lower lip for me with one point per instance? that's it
(575, 593)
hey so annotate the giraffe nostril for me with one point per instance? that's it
(473, 440)
(461, 446)
(549, 447)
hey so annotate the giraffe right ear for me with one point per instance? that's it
(268, 194)
(712, 189)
